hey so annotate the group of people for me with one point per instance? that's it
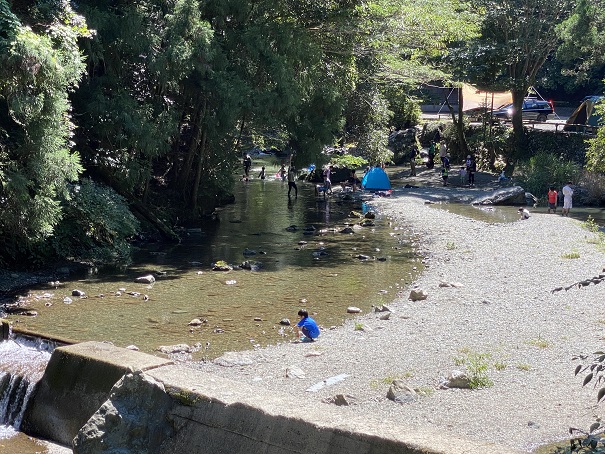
(289, 175)
(553, 195)
(467, 171)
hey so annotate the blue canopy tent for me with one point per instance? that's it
(376, 179)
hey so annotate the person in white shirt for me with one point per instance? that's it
(524, 213)
(567, 195)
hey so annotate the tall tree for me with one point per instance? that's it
(40, 64)
(517, 38)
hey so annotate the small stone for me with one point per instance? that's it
(418, 295)
(401, 393)
(231, 359)
(258, 319)
(148, 279)
(385, 316)
(458, 379)
(295, 372)
(133, 347)
(353, 310)
(77, 292)
(341, 400)
(178, 348)
(285, 322)
(195, 322)
(67, 300)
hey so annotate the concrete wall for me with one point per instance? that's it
(157, 407)
(76, 382)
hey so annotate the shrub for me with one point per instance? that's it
(477, 365)
(591, 440)
(96, 226)
(544, 170)
(593, 184)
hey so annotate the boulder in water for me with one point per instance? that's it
(514, 195)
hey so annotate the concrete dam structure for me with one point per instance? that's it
(98, 398)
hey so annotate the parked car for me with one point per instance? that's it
(533, 109)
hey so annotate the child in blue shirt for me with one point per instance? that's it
(306, 327)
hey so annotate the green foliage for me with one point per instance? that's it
(595, 155)
(582, 46)
(477, 366)
(96, 226)
(571, 255)
(591, 440)
(348, 161)
(544, 170)
(387, 380)
(593, 184)
(509, 53)
(373, 146)
(38, 69)
(591, 225)
(539, 342)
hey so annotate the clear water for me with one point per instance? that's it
(22, 363)
(496, 214)
(240, 308)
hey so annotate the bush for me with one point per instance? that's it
(544, 170)
(569, 147)
(96, 226)
(593, 185)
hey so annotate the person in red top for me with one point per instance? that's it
(552, 200)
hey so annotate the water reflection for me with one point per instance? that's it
(313, 265)
(496, 214)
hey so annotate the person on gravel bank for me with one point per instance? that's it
(567, 195)
(307, 329)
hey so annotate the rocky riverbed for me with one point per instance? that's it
(487, 309)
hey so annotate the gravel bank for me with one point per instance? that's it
(505, 309)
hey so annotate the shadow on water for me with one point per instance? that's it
(318, 269)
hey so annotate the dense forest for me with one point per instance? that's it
(117, 115)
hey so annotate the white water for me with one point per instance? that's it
(22, 364)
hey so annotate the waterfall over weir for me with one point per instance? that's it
(22, 364)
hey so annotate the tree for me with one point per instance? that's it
(517, 37)
(39, 65)
(582, 51)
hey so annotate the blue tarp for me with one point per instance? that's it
(376, 179)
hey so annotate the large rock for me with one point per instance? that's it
(514, 195)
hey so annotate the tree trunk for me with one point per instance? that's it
(459, 123)
(198, 174)
(198, 128)
(519, 137)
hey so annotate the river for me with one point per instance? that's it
(314, 266)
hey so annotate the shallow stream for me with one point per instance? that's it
(318, 269)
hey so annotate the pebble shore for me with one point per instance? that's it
(505, 309)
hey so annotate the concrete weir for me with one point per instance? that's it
(76, 382)
(108, 399)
